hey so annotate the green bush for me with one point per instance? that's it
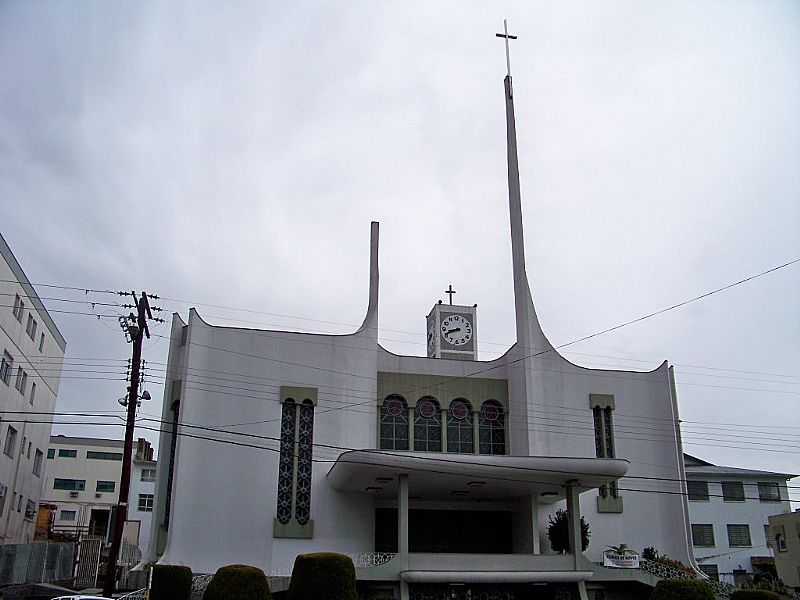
(323, 575)
(754, 595)
(682, 589)
(171, 582)
(238, 582)
(558, 532)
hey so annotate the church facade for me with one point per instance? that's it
(438, 474)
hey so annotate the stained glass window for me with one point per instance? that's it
(286, 461)
(428, 425)
(604, 443)
(459, 427)
(305, 452)
(394, 423)
(492, 428)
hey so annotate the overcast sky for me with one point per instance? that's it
(235, 154)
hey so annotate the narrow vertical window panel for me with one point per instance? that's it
(286, 461)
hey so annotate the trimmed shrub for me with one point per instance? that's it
(238, 582)
(682, 589)
(323, 575)
(754, 595)
(171, 582)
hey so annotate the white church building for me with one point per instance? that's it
(438, 474)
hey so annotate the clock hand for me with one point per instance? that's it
(454, 330)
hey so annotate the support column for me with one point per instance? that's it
(402, 518)
(534, 508)
(411, 428)
(574, 520)
(444, 429)
(476, 442)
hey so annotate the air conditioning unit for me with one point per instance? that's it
(73, 494)
(98, 495)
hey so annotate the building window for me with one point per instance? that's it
(11, 441)
(19, 308)
(698, 490)
(492, 428)
(173, 446)
(22, 380)
(33, 392)
(30, 327)
(148, 475)
(459, 428)
(68, 515)
(428, 425)
(703, 535)
(780, 542)
(104, 455)
(41, 342)
(30, 510)
(286, 461)
(394, 423)
(604, 442)
(19, 503)
(733, 491)
(37, 463)
(145, 503)
(739, 536)
(305, 444)
(28, 453)
(6, 366)
(711, 570)
(63, 453)
(71, 485)
(105, 486)
(769, 491)
(51, 453)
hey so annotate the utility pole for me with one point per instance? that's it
(135, 328)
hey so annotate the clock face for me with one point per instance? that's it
(456, 330)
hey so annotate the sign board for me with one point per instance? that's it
(629, 560)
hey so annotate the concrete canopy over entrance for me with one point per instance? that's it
(448, 476)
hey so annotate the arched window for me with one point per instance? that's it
(492, 428)
(394, 423)
(459, 427)
(305, 452)
(286, 461)
(428, 425)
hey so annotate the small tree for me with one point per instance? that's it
(171, 582)
(238, 582)
(558, 532)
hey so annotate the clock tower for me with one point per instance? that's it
(452, 330)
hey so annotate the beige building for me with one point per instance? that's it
(784, 538)
(31, 359)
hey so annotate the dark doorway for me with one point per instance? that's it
(446, 531)
(98, 523)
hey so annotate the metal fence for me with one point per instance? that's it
(38, 562)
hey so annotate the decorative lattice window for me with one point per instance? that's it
(460, 438)
(394, 423)
(286, 461)
(492, 428)
(305, 451)
(604, 442)
(428, 425)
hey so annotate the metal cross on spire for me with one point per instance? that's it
(450, 291)
(507, 37)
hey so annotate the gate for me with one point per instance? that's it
(89, 549)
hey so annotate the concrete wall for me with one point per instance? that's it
(44, 369)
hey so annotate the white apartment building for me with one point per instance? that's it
(729, 510)
(140, 496)
(83, 476)
(31, 358)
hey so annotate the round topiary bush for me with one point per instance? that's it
(238, 582)
(323, 575)
(682, 589)
(754, 595)
(171, 582)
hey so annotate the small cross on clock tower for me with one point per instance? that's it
(452, 330)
